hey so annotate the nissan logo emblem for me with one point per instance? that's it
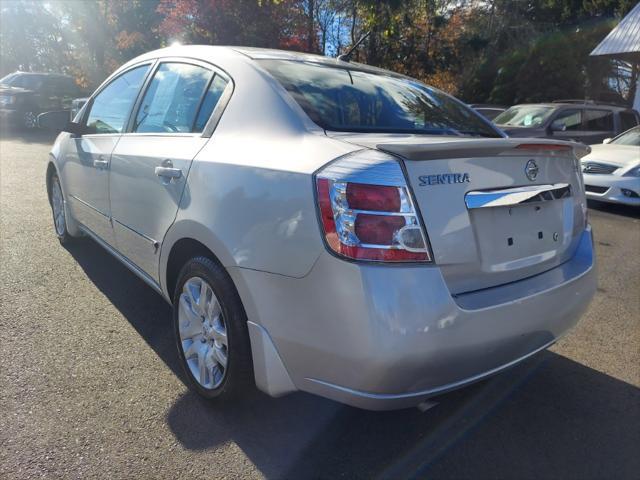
(531, 170)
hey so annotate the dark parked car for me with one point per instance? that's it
(489, 111)
(24, 95)
(588, 123)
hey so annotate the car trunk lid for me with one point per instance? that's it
(495, 210)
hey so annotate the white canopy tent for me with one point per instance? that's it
(623, 43)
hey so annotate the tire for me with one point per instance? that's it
(213, 342)
(30, 120)
(56, 201)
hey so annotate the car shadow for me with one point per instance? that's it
(548, 417)
(614, 208)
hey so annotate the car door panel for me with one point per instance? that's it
(87, 179)
(144, 204)
(89, 158)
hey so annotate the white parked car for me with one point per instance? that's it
(612, 170)
(325, 226)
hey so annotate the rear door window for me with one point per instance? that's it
(172, 100)
(627, 120)
(571, 120)
(599, 121)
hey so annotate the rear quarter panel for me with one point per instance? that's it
(249, 195)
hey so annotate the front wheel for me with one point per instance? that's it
(57, 209)
(210, 328)
(29, 120)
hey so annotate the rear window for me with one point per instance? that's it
(599, 121)
(353, 100)
(628, 120)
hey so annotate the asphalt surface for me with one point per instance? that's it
(90, 386)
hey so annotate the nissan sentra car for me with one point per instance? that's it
(612, 170)
(325, 226)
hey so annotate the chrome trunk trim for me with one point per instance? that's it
(515, 196)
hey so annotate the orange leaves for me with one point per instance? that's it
(126, 40)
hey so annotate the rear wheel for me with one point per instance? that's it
(210, 327)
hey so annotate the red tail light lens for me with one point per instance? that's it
(365, 221)
(373, 197)
(377, 229)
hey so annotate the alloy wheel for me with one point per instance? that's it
(57, 204)
(203, 333)
(30, 120)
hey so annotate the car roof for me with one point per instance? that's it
(213, 53)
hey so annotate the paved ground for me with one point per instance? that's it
(90, 385)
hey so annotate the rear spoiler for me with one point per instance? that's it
(483, 148)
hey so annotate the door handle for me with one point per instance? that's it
(100, 162)
(168, 171)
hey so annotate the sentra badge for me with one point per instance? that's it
(443, 179)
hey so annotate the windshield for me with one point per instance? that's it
(352, 100)
(524, 116)
(6, 80)
(630, 137)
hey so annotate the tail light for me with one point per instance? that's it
(367, 212)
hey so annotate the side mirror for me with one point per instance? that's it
(607, 140)
(59, 121)
(558, 126)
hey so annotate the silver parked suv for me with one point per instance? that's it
(325, 226)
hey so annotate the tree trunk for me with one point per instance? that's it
(310, 30)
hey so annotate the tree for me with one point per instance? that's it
(32, 38)
(499, 50)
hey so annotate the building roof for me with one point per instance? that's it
(623, 41)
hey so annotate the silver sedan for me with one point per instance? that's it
(325, 226)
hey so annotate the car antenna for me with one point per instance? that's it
(345, 57)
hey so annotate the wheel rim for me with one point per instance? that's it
(30, 120)
(57, 204)
(203, 333)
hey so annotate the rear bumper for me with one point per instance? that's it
(383, 337)
(613, 185)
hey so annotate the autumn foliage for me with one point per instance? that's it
(479, 50)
